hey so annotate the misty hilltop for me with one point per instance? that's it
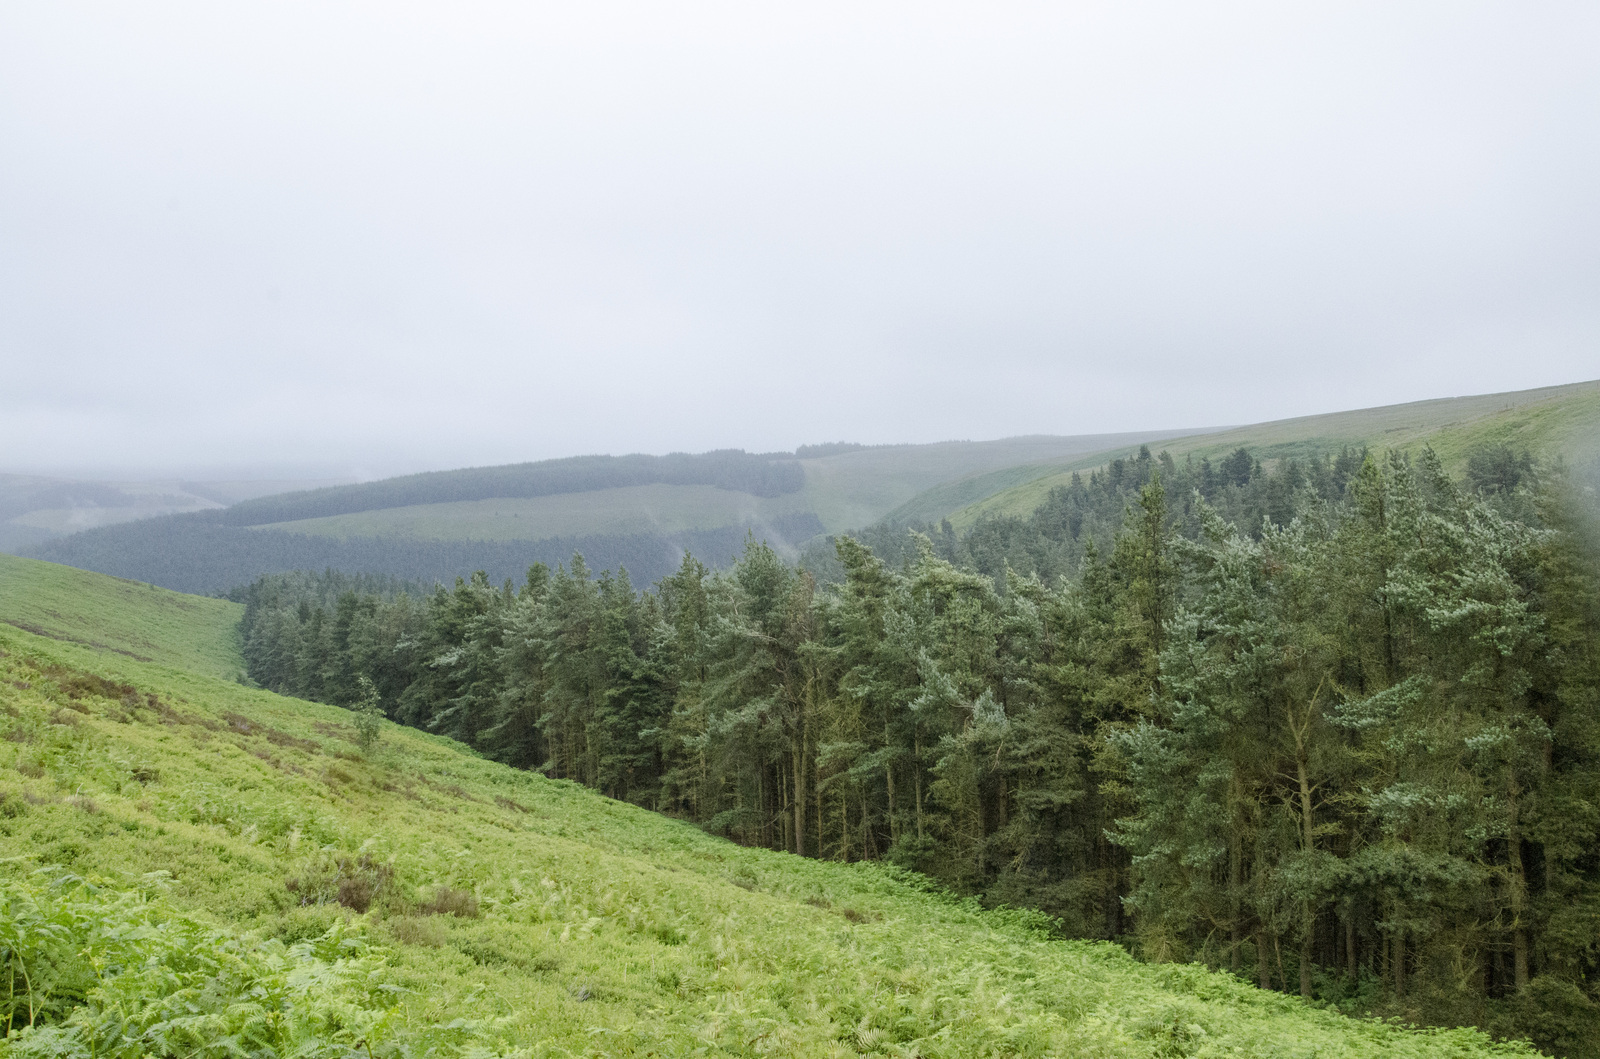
(643, 513)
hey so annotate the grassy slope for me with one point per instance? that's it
(603, 929)
(657, 508)
(854, 489)
(139, 621)
(1557, 420)
(846, 490)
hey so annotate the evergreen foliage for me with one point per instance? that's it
(1052, 541)
(1328, 725)
(369, 714)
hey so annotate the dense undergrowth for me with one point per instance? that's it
(192, 867)
(108, 972)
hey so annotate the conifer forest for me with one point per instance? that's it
(1332, 724)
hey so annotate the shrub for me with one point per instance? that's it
(369, 714)
(448, 901)
(413, 930)
(357, 882)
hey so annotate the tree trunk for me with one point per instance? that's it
(1397, 960)
(800, 794)
(700, 790)
(869, 848)
(764, 807)
(1350, 944)
(1519, 884)
(844, 827)
(916, 771)
(780, 792)
(888, 778)
(1263, 965)
(1235, 886)
(1308, 915)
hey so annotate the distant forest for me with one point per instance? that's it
(744, 472)
(24, 495)
(192, 553)
(208, 552)
(1333, 724)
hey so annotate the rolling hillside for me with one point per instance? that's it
(638, 512)
(203, 868)
(640, 509)
(644, 512)
(844, 490)
(1554, 421)
(35, 509)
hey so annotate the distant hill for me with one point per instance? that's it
(1554, 421)
(638, 512)
(733, 469)
(35, 509)
(643, 512)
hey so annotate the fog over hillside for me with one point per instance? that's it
(437, 236)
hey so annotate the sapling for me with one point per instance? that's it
(369, 714)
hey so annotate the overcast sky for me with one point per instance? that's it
(385, 237)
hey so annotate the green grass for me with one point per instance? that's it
(129, 618)
(1554, 421)
(949, 498)
(854, 489)
(530, 916)
(636, 509)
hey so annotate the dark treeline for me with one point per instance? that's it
(210, 551)
(830, 448)
(755, 473)
(1338, 733)
(192, 553)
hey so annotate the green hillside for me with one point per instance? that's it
(1552, 421)
(127, 618)
(845, 490)
(655, 508)
(849, 490)
(643, 512)
(34, 509)
(260, 885)
(638, 512)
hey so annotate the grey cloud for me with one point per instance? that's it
(417, 236)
